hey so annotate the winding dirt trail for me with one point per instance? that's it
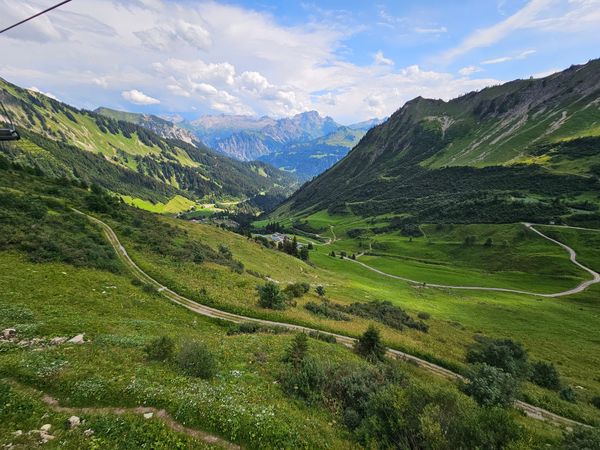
(530, 410)
(572, 256)
(160, 414)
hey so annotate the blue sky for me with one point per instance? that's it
(352, 60)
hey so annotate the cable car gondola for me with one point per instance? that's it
(9, 133)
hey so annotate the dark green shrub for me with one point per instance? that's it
(568, 394)
(582, 438)
(324, 309)
(386, 313)
(491, 386)
(296, 353)
(160, 349)
(595, 401)
(424, 316)
(505, 354)
(296, 290)
(306, 381)
(545, 375)
(369, 345)
(270, 296)
(196, 360)
(320, 290)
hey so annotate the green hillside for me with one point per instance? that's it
(126, 158)
(325, 397)
(522, 151)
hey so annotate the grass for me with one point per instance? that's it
(456, 316)
(175, 205)
(241, 403)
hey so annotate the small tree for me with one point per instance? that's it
(332, 254)
(296, 353)
(369, 345)
(271, 296)
(196, 360)
(491, 386)
(310, 246)
(582, 438)
(545, 375)
(303, 254)
(488, 242)
(320, 290)
(160, 349)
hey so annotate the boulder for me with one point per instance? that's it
(74, 421)
(88, 433)
(45, 428)
(9, 333)
(148, 415)
(77, 339)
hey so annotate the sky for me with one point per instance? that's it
(351, 60)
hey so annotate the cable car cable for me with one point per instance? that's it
(34, 16)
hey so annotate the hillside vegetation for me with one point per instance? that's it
(522, 151)
(127, 158)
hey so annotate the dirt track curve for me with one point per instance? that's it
(572, 256)
(530, 410)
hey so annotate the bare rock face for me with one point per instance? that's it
(77, 339)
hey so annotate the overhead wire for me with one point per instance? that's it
(34, 16)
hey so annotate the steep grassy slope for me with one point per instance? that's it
(60, 133)
(503, 154)
(248, 400)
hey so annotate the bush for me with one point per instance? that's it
(196, 360)
(270, 296)
(296, 353)
(582, 438)
(386, 313)
(297, 290)
(491, 386)
(369, 345)
(320, 290)
(424, 316)
(596, 401)
(306, 381)
(160, 349)
(324, 309)
(568, 394)
(545, 375)
(505, 354)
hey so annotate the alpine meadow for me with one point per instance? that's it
(267, 225)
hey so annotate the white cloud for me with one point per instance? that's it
(502, 59)
(47, 94)
(469, 70)
(487, 36)
(380, 59)
(435, 30)
(139, 98)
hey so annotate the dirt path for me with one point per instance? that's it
(530, 410)
(160, 414)
(572, 256)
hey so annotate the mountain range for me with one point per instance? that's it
(526, 150)
(124, 154)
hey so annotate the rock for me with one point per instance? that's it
(9, 333)
(74, 421)
(88, 433)
(77, 339)
(45, 428)
(58, 340)
(148, 415)
(18, 433)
